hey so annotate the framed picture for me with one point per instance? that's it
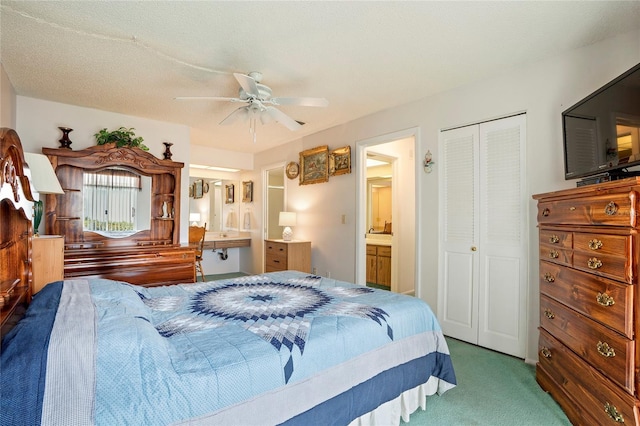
(340, 161)
(247, 191)
(230, 198)
(292, 170)
(198, 188)
(314, 165)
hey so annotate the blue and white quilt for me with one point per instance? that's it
(278, 348)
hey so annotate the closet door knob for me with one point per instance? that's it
(474, 248)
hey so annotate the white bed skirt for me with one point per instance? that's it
(409, 401)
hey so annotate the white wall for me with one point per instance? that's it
(543, 90)
(7, 101)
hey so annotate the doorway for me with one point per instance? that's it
(275, 198)
(402, 223)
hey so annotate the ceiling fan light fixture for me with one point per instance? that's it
(260, 104)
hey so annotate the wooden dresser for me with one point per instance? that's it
(588, 347)
(283, 255)
(149, 257)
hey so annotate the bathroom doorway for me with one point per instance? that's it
(274, 200)
(401, 225)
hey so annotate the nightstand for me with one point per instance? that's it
(283, 255)
(47, 260)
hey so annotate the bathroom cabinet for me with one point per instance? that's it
(379, 264)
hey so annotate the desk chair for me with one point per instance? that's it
(196, 240)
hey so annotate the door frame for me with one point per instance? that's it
(361, 200)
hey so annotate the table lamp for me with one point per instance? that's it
(287, 219)
(44, 181)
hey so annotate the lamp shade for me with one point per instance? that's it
(194, 218)
(42, 175)
(287, 219)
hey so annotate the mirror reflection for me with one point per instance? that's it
(211, 209)
(379, 205)
(116, 202)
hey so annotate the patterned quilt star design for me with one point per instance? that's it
(279, 312)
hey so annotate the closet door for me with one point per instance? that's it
(502, 284)
(459, 221)
(482, 280)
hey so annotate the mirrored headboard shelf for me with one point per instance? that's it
(65, 214)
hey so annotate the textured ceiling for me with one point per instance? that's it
(135, 57)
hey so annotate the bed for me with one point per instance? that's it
(276, 348)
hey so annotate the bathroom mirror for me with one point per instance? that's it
(379, 201)
(214, 209)
(379, 183)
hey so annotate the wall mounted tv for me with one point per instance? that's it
(602, 131)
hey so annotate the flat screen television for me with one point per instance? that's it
(602, 131)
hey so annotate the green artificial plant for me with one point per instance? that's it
(121, 137)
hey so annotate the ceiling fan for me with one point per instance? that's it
(260, 104)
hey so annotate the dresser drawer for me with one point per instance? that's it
(274, 248)
(611, 209)
(618, 268)
(275, 263)
(604, 300)
(556, 255)
(607, 351)
(589, 389)
(616, 245)
(556, 238)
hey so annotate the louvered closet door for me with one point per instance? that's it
(457, 297)
(482, 284)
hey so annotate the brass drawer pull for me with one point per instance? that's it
(605, 350)
(612, 412)
(595, 244)
(546, 212)
(545, 352)
(572, 208)
(611, 209)
(554, 239)
(549, 314)
(549, 278)
(604, 299)
(553, 254)
(594, 263)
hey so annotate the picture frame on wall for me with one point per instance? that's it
(230, 196)
(314, 165)
(198, 188)
(340, 161)
(247, 191)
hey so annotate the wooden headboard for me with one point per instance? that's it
(16, 230)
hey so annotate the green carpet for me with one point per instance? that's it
(379, 286)
(493, 389)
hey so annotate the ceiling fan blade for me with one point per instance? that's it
(208, 98)
(248, 84)
(283, 118)
(312, 102)
(242, 112)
